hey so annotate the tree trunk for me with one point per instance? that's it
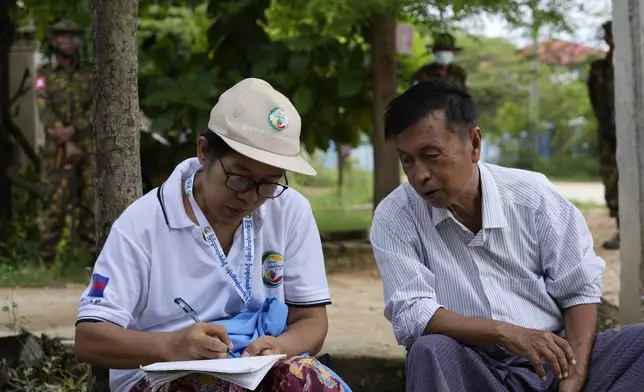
(116, 122)
(383, 49)
(341, 162)
(7, 34)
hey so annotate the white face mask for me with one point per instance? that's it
(444, 57)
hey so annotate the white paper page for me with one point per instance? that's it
(248, 381)
(228, 365)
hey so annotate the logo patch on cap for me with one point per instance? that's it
(277, 119)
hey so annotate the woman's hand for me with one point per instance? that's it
(264, 345)
(201, 341)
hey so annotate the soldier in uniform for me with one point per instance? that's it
(64, 91)
(442, 65)
(602, 98)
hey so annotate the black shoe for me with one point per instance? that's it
(613, 243)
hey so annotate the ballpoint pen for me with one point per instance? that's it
(190, 312)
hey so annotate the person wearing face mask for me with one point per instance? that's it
(443, 66)
(64, 98)
(226, 236)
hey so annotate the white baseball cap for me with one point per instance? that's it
(259, 122)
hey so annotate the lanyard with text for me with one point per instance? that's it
(244, 290)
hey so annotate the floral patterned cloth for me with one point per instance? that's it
(300, 373)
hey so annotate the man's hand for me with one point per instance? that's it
(201, 341)
(538, 347)
(575, 381)
(73, 154)
(265, 345)
(572, 384)
(61, 135)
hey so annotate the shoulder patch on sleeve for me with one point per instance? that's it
(41, 83)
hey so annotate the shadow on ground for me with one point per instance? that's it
(368, 374)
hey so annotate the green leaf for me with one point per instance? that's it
(201, 122)
(161, 92)
(164, 122)
(260, 69)
(303, 99)
(5, 308)
(349, 83)
(299, 62)
(309, 140)
(359, 120)
(14, 305)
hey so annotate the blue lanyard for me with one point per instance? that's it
(210, 238)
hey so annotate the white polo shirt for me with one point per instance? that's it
(152, 256)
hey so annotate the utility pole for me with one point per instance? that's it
(628, 31)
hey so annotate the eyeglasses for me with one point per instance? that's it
(239, 183)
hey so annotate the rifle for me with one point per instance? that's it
(73, 184)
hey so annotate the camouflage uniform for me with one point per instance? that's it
(65, 99)
(454, 73)
(602, 97)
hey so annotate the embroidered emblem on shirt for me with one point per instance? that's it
(99, 283)
(272, 269)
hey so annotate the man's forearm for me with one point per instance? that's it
(305, 335)
(580, 325)
(467, 330)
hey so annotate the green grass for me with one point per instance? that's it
(37, 275)
(323, 193)
(343, 220)
(585, 206)
(340, 209)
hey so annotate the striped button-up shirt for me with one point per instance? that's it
(533, 257)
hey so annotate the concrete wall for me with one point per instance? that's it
(23, 58)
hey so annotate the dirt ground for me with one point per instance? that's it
(357, 325)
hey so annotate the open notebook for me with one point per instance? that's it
(247, 372)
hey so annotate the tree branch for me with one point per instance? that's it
(12, 175)
(24, 144)
(22, 89)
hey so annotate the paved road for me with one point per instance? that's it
(581, 192)
(584, 192)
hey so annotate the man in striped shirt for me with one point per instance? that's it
(490, 278)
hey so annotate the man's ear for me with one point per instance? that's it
(476, 140)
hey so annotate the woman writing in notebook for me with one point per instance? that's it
(226, 239)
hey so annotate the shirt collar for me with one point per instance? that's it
(492, 204)
(170, 195)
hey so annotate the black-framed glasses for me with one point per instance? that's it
(239, 183)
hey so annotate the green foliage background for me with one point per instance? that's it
(318, 54)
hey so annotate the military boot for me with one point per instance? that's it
(613, 243)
